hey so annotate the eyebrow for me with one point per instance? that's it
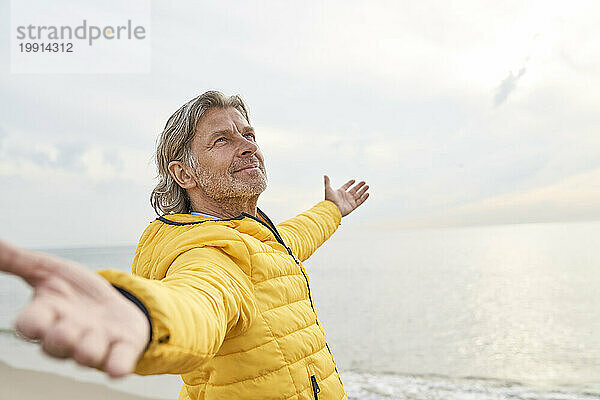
(226, 131)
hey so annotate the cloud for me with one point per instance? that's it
(354, 90)
(38, 159)
(571, 199)
(507, 86)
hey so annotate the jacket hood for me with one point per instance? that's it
(170, 235)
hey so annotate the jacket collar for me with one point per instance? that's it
(192, 219)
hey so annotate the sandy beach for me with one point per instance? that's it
(18, 383)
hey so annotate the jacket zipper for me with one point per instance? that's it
(280, 240)
(315, 387)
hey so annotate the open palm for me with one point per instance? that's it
(345, 198)
(77, 314)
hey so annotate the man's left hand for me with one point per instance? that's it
(347, 200)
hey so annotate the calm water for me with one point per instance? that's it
(484, 313)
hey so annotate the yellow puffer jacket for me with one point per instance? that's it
(230, 305)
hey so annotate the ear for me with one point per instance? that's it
(182, 174)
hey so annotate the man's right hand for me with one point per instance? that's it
(75, 313)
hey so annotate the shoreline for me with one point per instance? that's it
(17, 383)
(23, 383)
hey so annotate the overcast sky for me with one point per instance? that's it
(455, 113)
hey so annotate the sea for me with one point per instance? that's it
(493, 312)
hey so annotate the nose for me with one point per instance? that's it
(247, 147)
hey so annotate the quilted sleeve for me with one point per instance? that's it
(203, 298)
(305, 232)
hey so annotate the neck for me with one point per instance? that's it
(227, 207)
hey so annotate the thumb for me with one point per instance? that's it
(26, 264)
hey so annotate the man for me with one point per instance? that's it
(218, 292)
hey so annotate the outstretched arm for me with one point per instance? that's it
(76, 314)
(307, 231)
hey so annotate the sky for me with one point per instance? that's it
(455, 113)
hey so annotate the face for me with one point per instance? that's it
(230, 163)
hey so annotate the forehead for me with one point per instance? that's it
(217, 119)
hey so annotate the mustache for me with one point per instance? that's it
(255, 161)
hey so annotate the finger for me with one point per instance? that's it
(35, 320)
(347, 184)
(121, 360)
(362, 199)
(29, 265)
(92, 349)
(362, 191)
(356, 187)
(61, 339)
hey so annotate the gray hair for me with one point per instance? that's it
(175, 145)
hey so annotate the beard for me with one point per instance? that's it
(231, 184)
